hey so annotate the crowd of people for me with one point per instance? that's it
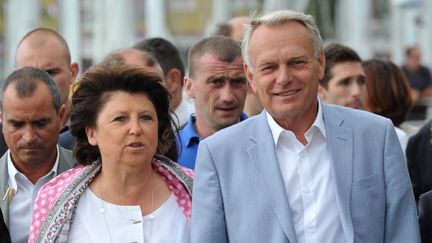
(266, 135)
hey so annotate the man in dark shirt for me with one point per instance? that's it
(418, 76)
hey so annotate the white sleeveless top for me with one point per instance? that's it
(117, 223)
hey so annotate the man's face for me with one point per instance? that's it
(285, 72)
(219, 91)
(414, 57)
(31, 126)
(346, 86)
(51, 57)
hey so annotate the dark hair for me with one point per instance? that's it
(224, 48)
(223, 29)
(387, 90)
(335, 54)
(45, 33)
(165, 53)
(26, 80)
(90, 96)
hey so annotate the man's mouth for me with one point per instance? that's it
(288, 93)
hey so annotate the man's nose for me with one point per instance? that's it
(284, 76)
(29, 134)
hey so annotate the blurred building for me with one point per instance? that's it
(97, 27)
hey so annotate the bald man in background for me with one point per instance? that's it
(46, 49)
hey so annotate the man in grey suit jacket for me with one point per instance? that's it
(32, 115)
(301, 171)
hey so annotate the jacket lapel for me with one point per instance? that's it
(340, 143)
(4, 204)
(263, 155)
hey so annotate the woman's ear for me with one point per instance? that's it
(91, 135)
(165, 141)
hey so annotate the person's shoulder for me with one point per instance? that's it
(426, 128)
(65, 151)
(66, 159)
(426, 197)
(353, 115)
(238, 129)
(65, 178)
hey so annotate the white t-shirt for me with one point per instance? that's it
(403, 138)
(126, 223)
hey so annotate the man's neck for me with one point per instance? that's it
(34, 172)
(202, 129)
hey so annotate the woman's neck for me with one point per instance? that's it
(124, 186)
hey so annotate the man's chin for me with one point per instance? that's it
(355, 106)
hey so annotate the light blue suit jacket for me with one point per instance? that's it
(239, 195)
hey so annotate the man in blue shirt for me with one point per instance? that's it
(218, 85)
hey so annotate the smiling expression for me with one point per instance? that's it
(284, 72)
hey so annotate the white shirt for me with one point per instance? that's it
(126, 224)
(403, 138)
(183, 111)
(21, 205)
(309, 183)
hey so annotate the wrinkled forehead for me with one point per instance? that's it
(210, 64)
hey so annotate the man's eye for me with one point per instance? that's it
(217, 82)
(267, 68)
(16, 124)
(41, 123)
(361, 81)
(345, 82)
(297, 63)
(238, 81)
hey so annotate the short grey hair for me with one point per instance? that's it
(278, 18)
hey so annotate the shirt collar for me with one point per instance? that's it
(277, 130)
(190, 134)
(13, 172)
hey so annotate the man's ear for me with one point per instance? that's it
(189, 87)
(321, 62)
(174, 80)
(74, 71)
(62, 115)
(322, 91)
(250, 77)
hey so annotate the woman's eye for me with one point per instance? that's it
(147, 117)
(119, 118)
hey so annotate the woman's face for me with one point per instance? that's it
(126, 130)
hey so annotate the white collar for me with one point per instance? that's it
(12, 170)
(276, 129)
